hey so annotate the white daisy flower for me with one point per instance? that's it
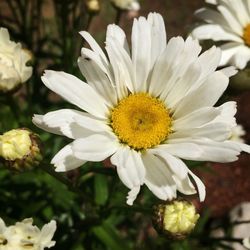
(24, 235)
(13, 60)
(147, 109)
(228, 22)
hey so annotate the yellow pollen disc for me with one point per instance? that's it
(246, 35)
(141, 121)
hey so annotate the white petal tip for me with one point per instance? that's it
(132, 194)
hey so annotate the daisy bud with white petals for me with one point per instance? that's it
(146, 108)
(20, 149)
(13, 63)
(228, 23)
(176, 218)
(23, 235)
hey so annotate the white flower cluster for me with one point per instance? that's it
(13, 60)
(23, 235)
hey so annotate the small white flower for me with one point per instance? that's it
(147, 109)
(13, 59)
(23, 235)
(126, 4)
(229, 23)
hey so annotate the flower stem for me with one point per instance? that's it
(48, 169)
(119, 13)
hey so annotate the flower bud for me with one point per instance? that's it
(93, 6)
(126, 4)
(13, 60)
(20, 149)
(176, 218)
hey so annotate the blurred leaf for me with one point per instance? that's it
(202, 222)
(101, 189)
(109, 236)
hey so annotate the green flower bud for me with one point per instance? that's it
(20, 149)
(176, 218)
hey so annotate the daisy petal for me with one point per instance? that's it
(229, 71)
(122, 67)
(63, 122)
(209, 61)
(97, 79)
(38, 121)
(65, 161)
(95, 147)
(241, 58)
(231, 19)
(158, 178)
(179, 171)
(181, 149)
(214, 32)
(141, 52)
(176, 165)
(130, 167)
(211, 16)
(132, 195)
(196, 119)
(47, 234)
(200, 186)
(206, 95)
(226, 151)
(75, 91)
(116, 32)
(158, 36)
(94, 45)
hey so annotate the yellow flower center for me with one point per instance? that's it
(141, 121)
(246, 35)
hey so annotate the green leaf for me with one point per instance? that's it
(101, 189)
(109, 236)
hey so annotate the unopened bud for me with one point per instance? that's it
(126, 4)
(176, 218)
(20, 149)
(93, 6)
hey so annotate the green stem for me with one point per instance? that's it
(90, 18)
(133, 209)
(15, 109)
(119, 13)
(229, 239)
(48, 169)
